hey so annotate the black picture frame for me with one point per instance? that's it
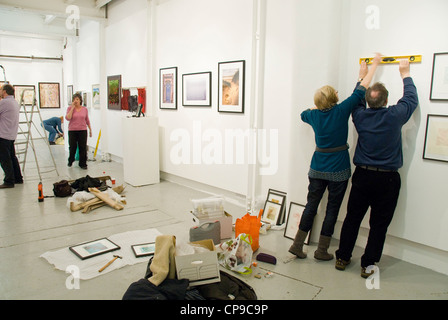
(439, 65)
(280, 197)
(295, 213)
(168, 88)
(144, 249)
(197, 89)
(231, 86)
(94, 248)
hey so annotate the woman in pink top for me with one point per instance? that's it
(78, 118)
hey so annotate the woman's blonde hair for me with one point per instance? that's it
(325, 97)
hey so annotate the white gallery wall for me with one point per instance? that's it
(291, 48)
(21, 71)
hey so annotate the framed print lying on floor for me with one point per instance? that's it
(231, 86)
(196, 89)
(292, 224)
(168, 88)
(439, 80)
(93, 248)
(436, 138)
(144, 249)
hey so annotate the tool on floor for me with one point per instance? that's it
(40, 190)
(266, 258)
(394, 59)
(109, 263)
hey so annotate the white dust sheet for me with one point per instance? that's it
(88, 268)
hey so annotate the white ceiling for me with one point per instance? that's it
(48, 17)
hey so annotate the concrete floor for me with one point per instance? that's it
(29, 228)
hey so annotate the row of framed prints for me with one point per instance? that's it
(197, 88)
(49, 94)
(98, 247)
(274, 213)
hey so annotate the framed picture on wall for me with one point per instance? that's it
(96, 96)
(114, 92)
(439, 80)
(28, 92)
(231, 86)
(168, 88)
(69, 94)
(293, 221)
(196, 89)
(436, 138)
(49, 95)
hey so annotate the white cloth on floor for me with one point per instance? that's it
(88, 268)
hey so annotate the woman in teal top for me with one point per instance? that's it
(330, 165)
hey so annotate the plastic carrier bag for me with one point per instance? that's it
(250, 224)
(236, 254)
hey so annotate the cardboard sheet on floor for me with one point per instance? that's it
(88, 269)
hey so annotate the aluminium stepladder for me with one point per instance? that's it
(24, 139)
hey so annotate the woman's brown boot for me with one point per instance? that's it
(297, 246)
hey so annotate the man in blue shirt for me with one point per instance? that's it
(53, 126)
(376, 182)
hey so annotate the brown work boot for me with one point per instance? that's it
(341, 264)
(321, 252)
(297, 246)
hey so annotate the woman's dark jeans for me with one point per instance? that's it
(316, 189)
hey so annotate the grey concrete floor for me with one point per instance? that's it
(29, 228)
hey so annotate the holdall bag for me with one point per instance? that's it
(206, 230)
(62, 189)
(249, 224)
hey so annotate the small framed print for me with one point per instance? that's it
(280, 198)
(25, 94)
(196, 89)
(231, 86)
(143, 250)
(436, 138)
(271, 212)
(114, 92)
(94, 248)
(69, 94)
(168, 88)
(293, 221)
(439, 80)
(49, 95)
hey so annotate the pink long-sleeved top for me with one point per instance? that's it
(79, 121)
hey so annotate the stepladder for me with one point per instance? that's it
(30, 116)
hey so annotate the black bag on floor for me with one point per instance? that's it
(62, 189)
(83, 184)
